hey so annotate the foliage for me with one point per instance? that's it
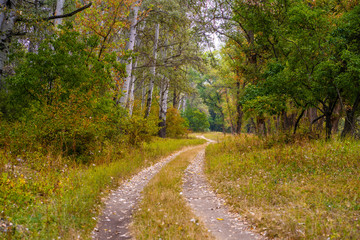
(258, 104)
(139, 129)
(60, 96)
(176, 126)
(198, 121)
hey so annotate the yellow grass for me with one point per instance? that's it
(163, 212)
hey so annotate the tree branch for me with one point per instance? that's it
(68, 14)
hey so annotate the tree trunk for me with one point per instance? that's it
(176, 99)
(239, 111)
(260, 126)
(336, 118)
(349, 127)
(130, 47)
(7, 23)
(288, 121)
(59, 11)
(153, 71)
(132, 89)
(328, 125)
(230, 113)
(184, 103)
(143, 92)
(164, 93)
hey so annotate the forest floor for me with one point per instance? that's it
(170, 200)
(203, 215)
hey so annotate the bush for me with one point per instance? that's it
(61, 96)
(198, 121)
(176, 126)
(139, 129)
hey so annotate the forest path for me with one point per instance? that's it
(209, 207)
(117, 214)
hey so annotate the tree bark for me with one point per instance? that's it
(336, 118)
(349, 127)
(261, 126)
(239, 111)
(130, 47)
(288, 121)
(7, 23)
(153, 71)
(59, 11)
(132, 89)
(164, 93)
(230, 113)
(143, 92)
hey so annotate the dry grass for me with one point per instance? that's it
(302, 190)
(48, 197)
(163, 213)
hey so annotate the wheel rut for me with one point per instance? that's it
(117, 214)
(210, 208)
(221, 223)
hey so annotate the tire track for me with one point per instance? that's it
(211, 209)
(117, 214)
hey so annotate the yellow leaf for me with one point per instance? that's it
(220, 219)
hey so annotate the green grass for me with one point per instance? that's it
(301, 190)
(163, 213)
(46, 197)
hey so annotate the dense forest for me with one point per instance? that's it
(83, 83)
(115, 69)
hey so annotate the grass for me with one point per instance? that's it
(163, 213)
(300, 190)
(48, 197)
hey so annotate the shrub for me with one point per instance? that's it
(61, 96)
(198, 121)
(176, 126)
(139, 129)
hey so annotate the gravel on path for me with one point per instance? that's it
(210, 208)
(116, 217)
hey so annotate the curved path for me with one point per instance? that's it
(209, 208)
(116, 217)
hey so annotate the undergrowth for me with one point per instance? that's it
(49, 197)
(290, 188)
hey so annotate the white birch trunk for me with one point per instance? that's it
(132, 89)
(164, 93)
(184, 104)
(153, 71)
(59, 11)
(130, 46)
(143, 92)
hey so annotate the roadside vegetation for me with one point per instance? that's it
(163, 212)
(50, 197)
(290, 188)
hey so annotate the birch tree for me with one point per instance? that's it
(59, 11)
(130, 47)
(153, 71)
